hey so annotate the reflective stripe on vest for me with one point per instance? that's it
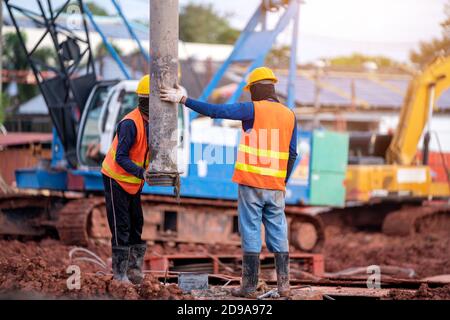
(263, 152)
(121, 177)
(260, 170)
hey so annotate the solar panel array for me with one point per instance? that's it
(337, 91)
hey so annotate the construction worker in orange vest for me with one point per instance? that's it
(123, 178)
(266, 156)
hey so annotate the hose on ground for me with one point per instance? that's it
(95, 259)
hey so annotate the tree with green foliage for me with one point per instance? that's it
(93, 7)
(4, 101)
(279, 57)
(96, 9)
(200, 23)
(429, 50)
(358, 60)
(101, 51)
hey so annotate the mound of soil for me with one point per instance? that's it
(423, 293)
(38, 270)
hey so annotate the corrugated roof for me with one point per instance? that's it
(111, 71)
(34, 106)
(368, 90)
(336, 90)
(22, 138)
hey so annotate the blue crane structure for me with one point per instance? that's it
(254, 44)
(68, 96)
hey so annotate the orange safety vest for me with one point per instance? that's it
(263, 151)
(138, 153)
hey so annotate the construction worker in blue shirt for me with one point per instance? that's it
(261, 197)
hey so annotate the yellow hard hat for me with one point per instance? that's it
(258, 74)
(143, 88)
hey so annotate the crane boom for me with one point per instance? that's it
(419, 103)
(73, 73)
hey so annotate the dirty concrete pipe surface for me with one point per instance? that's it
(163, 71)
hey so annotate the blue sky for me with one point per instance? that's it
(336, 27)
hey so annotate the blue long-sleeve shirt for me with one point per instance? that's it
(243, 111)
(126, 135)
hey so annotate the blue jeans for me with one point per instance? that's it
(256, 206)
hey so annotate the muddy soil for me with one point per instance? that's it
(426, 254)
(38, 269)
(423, 293)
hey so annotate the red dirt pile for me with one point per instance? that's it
(39, 270)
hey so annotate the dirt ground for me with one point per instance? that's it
(38, 269)
(424, 293)
(427, 254)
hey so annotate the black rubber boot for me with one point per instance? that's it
(120, 256)
(282, 268)
(137, 253)
(250, 275)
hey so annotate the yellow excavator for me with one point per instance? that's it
(400, 177)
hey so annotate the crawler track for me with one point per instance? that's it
(74, 220)
(411, 220)
(190, 220)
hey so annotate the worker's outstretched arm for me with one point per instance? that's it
(292, 151)
(236, 111)
(243, 111)
(233, 111)
(126, 131)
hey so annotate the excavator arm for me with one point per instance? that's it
(420, 102)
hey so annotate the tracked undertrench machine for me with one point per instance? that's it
(64, 197)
